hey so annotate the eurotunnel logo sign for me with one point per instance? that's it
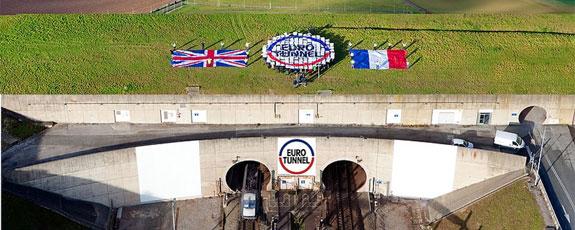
(298, 51)
(296, 156)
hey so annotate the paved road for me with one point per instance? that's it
(558, 172)
(69, 140)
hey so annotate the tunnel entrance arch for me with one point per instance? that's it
(533, 115)
(235, 174)
(343, 175)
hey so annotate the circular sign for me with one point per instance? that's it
(296, 156)
(298, 51)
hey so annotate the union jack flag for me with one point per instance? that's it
(209, 58)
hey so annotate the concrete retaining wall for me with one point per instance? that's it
(113, 176)
(271, 109)
(102, 178)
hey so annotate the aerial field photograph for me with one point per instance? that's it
(287, 114)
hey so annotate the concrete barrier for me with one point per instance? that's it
(272, 109)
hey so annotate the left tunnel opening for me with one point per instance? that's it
(248, 175)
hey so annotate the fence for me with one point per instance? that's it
(364, 6)
(170, 7)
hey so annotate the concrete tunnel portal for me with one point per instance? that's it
(235, 175)
(343, 175)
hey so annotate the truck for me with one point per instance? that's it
(508, 140)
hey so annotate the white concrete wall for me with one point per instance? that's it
(113, 175)
(271, 109)
(103, 178)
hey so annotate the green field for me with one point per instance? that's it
(512, 207)
(379, 6)
(115, 54)
(295, 6)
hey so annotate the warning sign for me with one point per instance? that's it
(296, 156)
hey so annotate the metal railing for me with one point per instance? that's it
(293, 6)
(170, 7)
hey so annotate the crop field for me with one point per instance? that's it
(116, 54)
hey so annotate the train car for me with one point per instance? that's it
(250, 198)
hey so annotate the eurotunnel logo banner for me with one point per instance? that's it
(298, 51)
(296, 156)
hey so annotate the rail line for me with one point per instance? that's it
(342, 204)
(248, 225)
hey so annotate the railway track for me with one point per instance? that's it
(248, 225)
(342, 202)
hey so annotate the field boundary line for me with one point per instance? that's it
(453, 30)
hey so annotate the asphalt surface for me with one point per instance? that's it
(69, 140)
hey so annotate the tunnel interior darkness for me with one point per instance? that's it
(235, 175)
(343, 176)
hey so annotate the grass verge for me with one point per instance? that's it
(512, 207)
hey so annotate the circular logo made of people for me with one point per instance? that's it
(296, 156)
(298, 51)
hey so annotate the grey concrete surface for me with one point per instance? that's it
(393, 214)
(101, 169)
(113, 175)
(189, 214)
(109, 178)
(283, 109)
(558, 170)
(70, 140)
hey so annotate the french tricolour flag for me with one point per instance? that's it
(379, 59)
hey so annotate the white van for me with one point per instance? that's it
(509, 140)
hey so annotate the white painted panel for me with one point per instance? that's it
(514, 117)
(305, 183)
(446, 116)
(288, 183)
(393, 116)
(199, 116)
(168, 115)
(306, 116)
(169, 171)
(422, 170)
(122, 115)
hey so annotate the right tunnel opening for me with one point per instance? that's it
(343, 176)
(342, 180)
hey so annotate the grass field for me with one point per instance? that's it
(512, 207)
(115, 54)
(385, 6)
(295, 6)
(496, 6)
